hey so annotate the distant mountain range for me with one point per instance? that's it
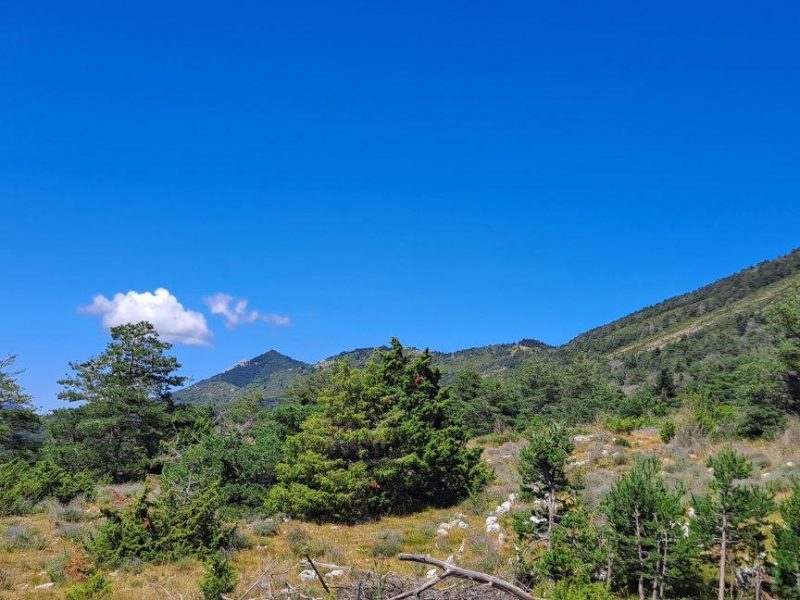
(730, 308)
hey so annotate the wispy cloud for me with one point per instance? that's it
(236, 312)
(173, 322)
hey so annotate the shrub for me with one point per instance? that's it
(667, 432)
(302, 544)
(73, 532)
(219, 577)
(55, 568)
(625, 424)
(94, 587)
(266, 527)
(387, 543)
(22, 486)
(19, 536)
(566, 590)
(170, 527)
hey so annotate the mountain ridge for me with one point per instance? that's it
(677, 319)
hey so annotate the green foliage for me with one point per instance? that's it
(484, 405)
(219, 577)
(568, 590)
(174, 525)
(667, 432)
(786, 570)
(641, 509)
(731, 519)
(23, 485)
(96, 586)
(127, 401)
(579, 551)
(625, 424)
(571, 393)
(19, 424)
(383, 440)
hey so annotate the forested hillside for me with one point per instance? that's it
(656, 457)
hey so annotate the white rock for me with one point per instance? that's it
(582, 438)
(765, 475)
(686, 530)
(335, 573)
(45, 586)
(512, 498)
(577, 463)
(449, 560)
(789, 464)
(431, 573)
(492, 527)
(462, 525)
(501, 539)
(692, 514)
(490, 520)
(307, 575)
(536, 520)
(445, 525)
(503, 508)
(442, 532)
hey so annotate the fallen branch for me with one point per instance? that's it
(319, 576)
(453, 571)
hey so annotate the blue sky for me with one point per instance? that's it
(455, 174)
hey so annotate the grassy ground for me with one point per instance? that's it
(46, 547)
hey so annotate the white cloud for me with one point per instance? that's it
(173, 322)
(235, 312)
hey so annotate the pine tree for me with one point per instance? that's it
(643, 514)
(542, 468)
(127, 400)
(383, 440)
(786, 570)
(18, 421)
(731, 518)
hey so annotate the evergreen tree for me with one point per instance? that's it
(642, 514)
(731, 518)
(787, 547)
(18, 421)
(127, 401)
(542, 469)
(383, 440)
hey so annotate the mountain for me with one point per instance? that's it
(724, 318)
(270, 372)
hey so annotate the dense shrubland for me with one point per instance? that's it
(351, 444)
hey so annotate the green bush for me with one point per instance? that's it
(566, 590)
(170, 527)
(625, 424)
(219, 577)
(667, 432)
(22, 486)
(95, 586)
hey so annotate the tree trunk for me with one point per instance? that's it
(551, 517)
(723, 557)
(640, 553)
